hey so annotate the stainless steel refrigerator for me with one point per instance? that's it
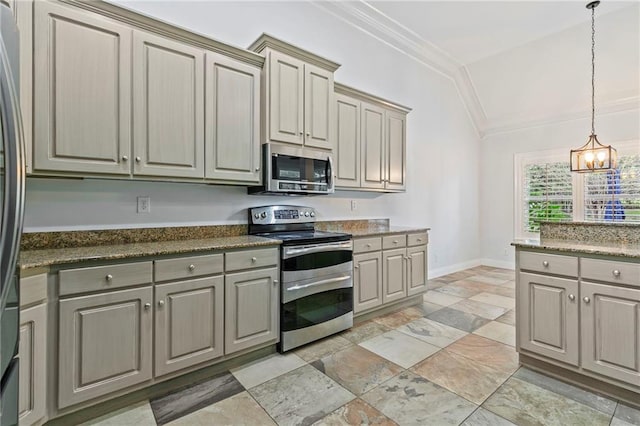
(12, 181)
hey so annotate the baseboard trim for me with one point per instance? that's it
(504, 264)
(450, 269)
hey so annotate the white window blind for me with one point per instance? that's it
(547, 194)
(614, 196)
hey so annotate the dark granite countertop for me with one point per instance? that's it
(58, 256)
(630, 250)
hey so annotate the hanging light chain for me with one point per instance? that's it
(593, 70)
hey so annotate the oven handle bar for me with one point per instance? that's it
(321, 282)
(318, 248)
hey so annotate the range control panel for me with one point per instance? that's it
(270, 215)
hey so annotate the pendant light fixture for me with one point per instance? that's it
(593, 156)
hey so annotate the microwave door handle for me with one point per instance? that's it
(331, 183)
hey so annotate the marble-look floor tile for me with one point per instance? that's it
(453, 289)
(238, 410)
(440, 298)
(503, 290)
(473, 381)
(458, 319)
(357, 369)
(486, 351)
(526, 404)
(139, 414)
(598, 402)
(185, 401)
(503, 333)
(410, 399)
(364, 331)
(628, 414)
(400, 348)
(617, 422)
(494, 299)
(482, 417)
(433, 332)
(264, 369)
(396, 319)
(427, 308)
(322, 347)
(480, 309)
(482, 278)
(460, 275)
(357, 412)
(431, 284)
(504, 273)
(300, 397)
(508, 318)
(475, 286)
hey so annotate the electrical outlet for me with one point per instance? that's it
(144, 204)
(354, 205)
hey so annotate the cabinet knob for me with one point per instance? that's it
(257, 169)
(572, 297)
(419, 239)
(586, 299)
(125, 158)
(395, 241)
(275, 282)
(254, 260)
(192, 267)
(161, 303)
(356, 266)
(308, 134)
(138, 159)
(109, 277)
(616, 273)
(147, 306)
(545, 264)
(301, 133)
(368, 245)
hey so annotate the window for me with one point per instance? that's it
(547, 191)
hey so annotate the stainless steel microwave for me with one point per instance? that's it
(295, 171)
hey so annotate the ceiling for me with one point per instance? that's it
(468, 31)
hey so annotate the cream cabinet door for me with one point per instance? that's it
(367, 281)
(189, 323)
(548, 316)
(33, 364)
(251, 309)
(396, 150)
(82, 98)
(373, 146)
(104, 343)
(168, 107)
(347, 142)
(286, 99)
(232, 120)
(394, 275)
(318, 107)
(416, 270)
(611, 331)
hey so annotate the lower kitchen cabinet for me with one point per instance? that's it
(611, 331)
(548, 316)
(367, 281)
(251, 309)
(32, 377)
(394, 275)
(416, 270)
(189, 323)
(105, 343)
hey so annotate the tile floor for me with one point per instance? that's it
(449, 361)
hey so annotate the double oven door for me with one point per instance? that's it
(317, 291)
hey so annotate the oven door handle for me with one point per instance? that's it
(318, 283)
(290, 252)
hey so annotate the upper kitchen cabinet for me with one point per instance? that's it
(370, 142)
(168, 107)
(232, 120)
(299, 100)
(82, 91)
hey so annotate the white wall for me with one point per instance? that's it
(442, 188)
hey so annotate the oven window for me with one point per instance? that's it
(317, 260)
(299, 169)
(316, 308)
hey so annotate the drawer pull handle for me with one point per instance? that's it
(109, 277)
(368, 245)
(356, 266)
(616, 273)
(586, 299)
(192, 267)
(161, 303)
(419, 240)
(545, 264)
(572, 297)
(395, 241)
(147, 306)
(254, 260)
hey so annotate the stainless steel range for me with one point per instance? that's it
(316, 274)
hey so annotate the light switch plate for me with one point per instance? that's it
(144, 204)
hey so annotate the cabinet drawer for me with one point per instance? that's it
(362, 245)
(186, 267)
(250, 259)
(104, 277)
(549, 263)
(419, 239)
(611, 271)
(394, 241)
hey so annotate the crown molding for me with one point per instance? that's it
(368, 97)
(267, 41)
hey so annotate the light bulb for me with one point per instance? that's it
(588, 157)
(601, 156)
